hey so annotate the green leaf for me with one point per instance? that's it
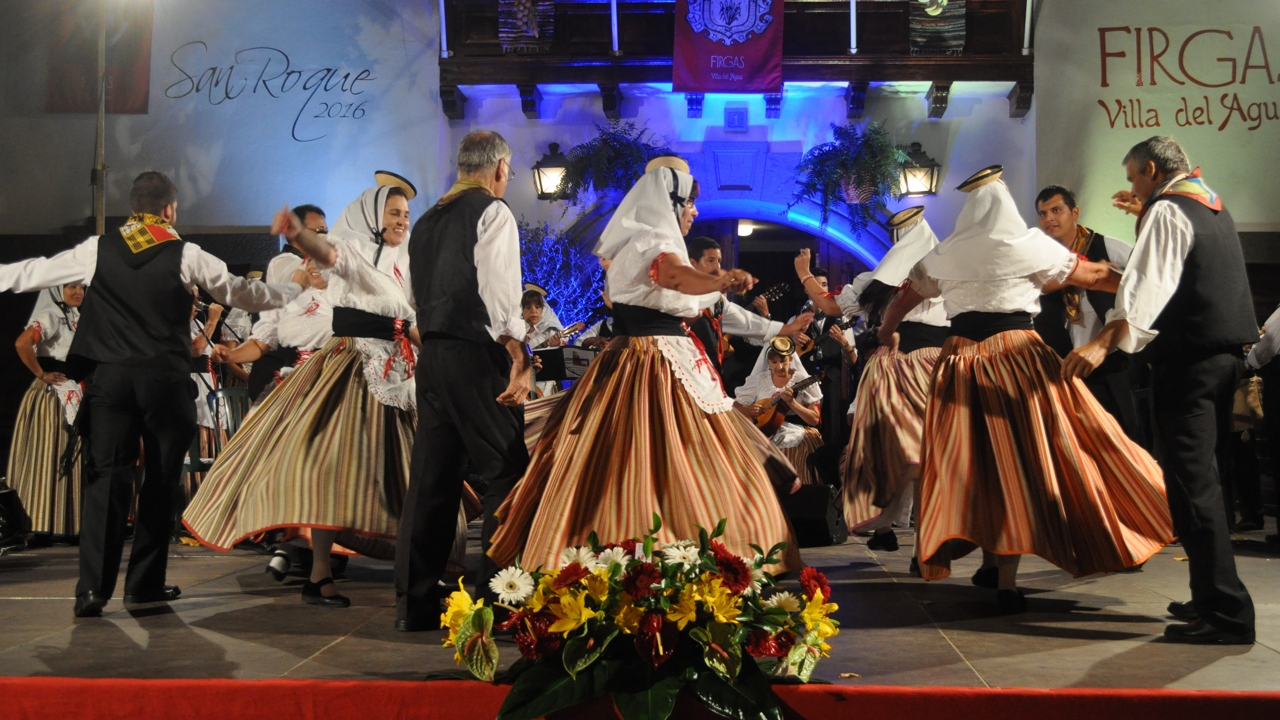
(748, 698)
(653, 703)
(719, 651)
(475, 643)
(802, 659)
(593, 542)
(704, 543)
(581, 651)
(719, 528)
(657, 525)
(546, 688)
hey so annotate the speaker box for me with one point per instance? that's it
(816, 515)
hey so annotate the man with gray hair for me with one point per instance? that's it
(1184, 302)
(473, 373)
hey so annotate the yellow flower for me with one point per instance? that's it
(686, 608)
(542, 593)
(456, 612)
(598, 584)
(628, 616)
(573, 613)
(722, 603)
(814, 616)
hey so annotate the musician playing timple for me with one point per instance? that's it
(798, 436)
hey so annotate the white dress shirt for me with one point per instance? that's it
(1153, 272)
(1267, 346)
(1118, 252)
(497, 256)
(755, 329)
(198, 269)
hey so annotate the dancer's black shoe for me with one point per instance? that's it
(311, 595)
(883, 540)
(988, 578)
(1202, 633)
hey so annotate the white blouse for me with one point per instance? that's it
(929, 312)
(1006, 295)
(759, 386)
(54, 332)
(308, 321)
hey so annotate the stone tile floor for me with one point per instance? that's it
(233, 620)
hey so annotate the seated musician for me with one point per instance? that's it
(797, 435)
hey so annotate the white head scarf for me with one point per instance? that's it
(991, 241)
(50, 299)
(762, 365)
(909, 246)
(650, 206)
(360, 224)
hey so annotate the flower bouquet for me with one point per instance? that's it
(644, 621)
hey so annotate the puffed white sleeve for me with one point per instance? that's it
(497, 258)
(76, 265)
(737, 320)
(922, 283)
(746, 392)
(199, 268)
(1152, 274)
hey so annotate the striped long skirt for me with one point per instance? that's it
(798, 456)
(883, 455)
(628, 441)
(40, 436)
(319, 452)
(1020, 460)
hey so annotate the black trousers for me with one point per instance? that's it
(1113, 388)
(462, 430)
(124, 404)
(1192, 400)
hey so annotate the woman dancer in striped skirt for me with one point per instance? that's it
(1019, 458)
(648, 427)
(41, 431)
(329, 449)
(881, 463)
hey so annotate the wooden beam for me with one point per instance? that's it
(938, 96)
(1020, 99)
(611, 100)
(772, 106)
(452, 102)
(856, 97)
(693, 105)
(530, 101)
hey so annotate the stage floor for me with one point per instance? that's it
(234, 621)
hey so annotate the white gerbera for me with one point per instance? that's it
(612, 555)
(784, 600)
(581, 555)
(681, 554)
(757, 577)
(512, 585)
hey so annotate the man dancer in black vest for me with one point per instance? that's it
(473, 373)
(1184, 301)
(1072, 316)
(134, 345)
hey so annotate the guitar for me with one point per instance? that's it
(770, 419)
(808, 345)
(773, 293)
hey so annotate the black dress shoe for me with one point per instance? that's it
(312, 596)
(1184, 611)
(168, 593)
(1202, 633)
(1011, 602)
(915, 568)
(416, 625)
(988, 578)
(90, 604)
(886, 541)
(278, 566)
(1250, 524)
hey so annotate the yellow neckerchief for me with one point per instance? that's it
(143, 231)
(461, 186)
(1071, 293)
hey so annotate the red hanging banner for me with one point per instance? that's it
(728, 46)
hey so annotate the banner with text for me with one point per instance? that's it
(1109, 75)
(728, 46)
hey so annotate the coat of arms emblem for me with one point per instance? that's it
(729, 21)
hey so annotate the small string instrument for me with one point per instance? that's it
(770, 419)
(808, 345)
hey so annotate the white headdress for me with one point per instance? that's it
(991, 241)
(50, 299)
(653, 205)
(910, 244)
(361, 225)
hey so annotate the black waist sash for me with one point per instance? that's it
(915, 335)
(265, 368)
(978, 326)
(349, 322)
(638, 321)
(53, 365)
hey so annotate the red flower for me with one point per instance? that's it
(786, 640)
(531, 634)
(640, 581)
(811, 580)
(760, 643)
(629, 547)
(569, 575)
(734, 572)
(656, 639)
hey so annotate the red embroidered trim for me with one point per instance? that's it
(303, 356)
(406, 352)
(399, 278)
(313, 306)
(703, 360)
(653, 267)
(39, 331)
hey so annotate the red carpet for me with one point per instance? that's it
(43, 698)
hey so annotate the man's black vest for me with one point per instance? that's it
(708, 332)
(442, 262)
(1213, 305)
(1051, 323)
(137, 312)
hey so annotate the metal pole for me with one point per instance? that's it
(1026, 33)
(100, 167)
(444, 33)
(853, 27)
(613, 21)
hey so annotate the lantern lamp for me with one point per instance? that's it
(920, 173)
(548, 172)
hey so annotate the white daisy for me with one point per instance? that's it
(611, 556)
(757, 577)
(512, 585)
(581, 555)
(681, 554)
(783, 600)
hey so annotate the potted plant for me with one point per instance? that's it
(859, 169)
(611, 161)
